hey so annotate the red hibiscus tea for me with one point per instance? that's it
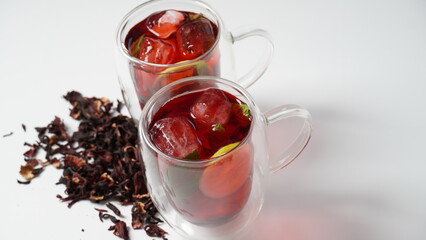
(198, 127)
(171, 37)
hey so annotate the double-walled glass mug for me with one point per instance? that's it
(217, 198)
(139, 80)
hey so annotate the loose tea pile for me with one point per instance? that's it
(100, 162)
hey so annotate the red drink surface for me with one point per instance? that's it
(170, 37)
(196, 126)
(214, 131)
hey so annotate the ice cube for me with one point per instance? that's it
(156, 51)
(241, 113)
(175, 136)
(165, 23)
(211, 108)
(195, 38)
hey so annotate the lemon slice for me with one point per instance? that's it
(225, 149)
(200, 65)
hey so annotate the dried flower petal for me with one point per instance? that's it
(33, 162)
(32, 151)
(57, 128)
(93, 196)
(155, 231)
(100, 161)
(74, 161)
(113, 208)
(27, 171)
(56, 163)
(106, 216)
(101, 210)
(120, 106)
(24, 182)
(120, 230)
(8, 134)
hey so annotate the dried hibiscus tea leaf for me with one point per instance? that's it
(32, 162)
(120, 230)
(88, 108)
(41, 132)
(29, 172)
(24, 182)
(32, 151)
(56, 162)
(113, 208)
(155, 231)
(100, 214)
(105, 216)
(120, 106)
(139, 215)
(8, 134)
(101, 210)
(74, 161)
(57, 128)
(100, 161)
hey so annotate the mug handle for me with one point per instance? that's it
(256, 72)
(301, 133)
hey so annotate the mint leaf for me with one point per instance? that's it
(192, 156)
(218, 127)
(135, 48)
(246, 110)
(193, 16)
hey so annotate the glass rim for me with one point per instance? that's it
(124, 51)
(144, 135)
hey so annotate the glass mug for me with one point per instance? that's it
(139, 80)
(218, 198)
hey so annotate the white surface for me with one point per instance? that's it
(358, 66)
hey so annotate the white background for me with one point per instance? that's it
(358, 66)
